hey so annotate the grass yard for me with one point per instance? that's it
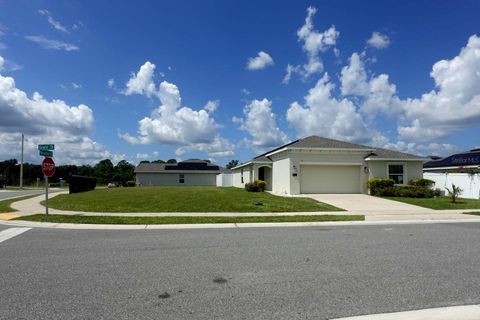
(440, 203)
(184, 199)
(5, 204)
(185, 220)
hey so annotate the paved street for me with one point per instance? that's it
(261, 273)
(6, 194)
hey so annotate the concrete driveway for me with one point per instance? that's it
(366, 203)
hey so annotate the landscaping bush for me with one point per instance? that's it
(437, 192)
(129, 184)
(425, 183)
(375, 185)
(256, 186)
(406, 191)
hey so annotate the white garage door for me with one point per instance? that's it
(329, 179)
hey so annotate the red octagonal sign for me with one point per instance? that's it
(48, 167)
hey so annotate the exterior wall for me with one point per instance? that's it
(470, 184)
(379, 169)
(224, 180)
(172, 179)
(237, 176)
(281, 175)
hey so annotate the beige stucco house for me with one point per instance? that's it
(191, 172)
(320, 165)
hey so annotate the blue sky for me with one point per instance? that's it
(208, 79)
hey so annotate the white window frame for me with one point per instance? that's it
(405, 180)
(181, 178)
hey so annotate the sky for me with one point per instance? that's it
(223, 80)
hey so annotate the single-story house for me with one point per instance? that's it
(461, 169)
(193, 172)
(320, 165)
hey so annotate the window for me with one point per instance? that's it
(241, 173)
(181, 178)
(396, 172)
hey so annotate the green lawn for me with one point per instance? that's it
(185, 220)
(5, 204)
(440, 203)
(183, 199)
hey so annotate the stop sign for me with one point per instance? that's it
(48, 167)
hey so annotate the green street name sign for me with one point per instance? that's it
(46, 147)
(46, 153)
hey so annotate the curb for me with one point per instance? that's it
(468, 312)
(76, 226)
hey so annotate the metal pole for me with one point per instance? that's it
(46, 195)
(21, 167)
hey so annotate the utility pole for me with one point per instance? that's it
(21, 167)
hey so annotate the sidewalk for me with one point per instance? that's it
(33, 206)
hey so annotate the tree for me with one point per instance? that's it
(144, 161)
(454, 193)
(104, 171)
(158, 161)
(172, 161)
(232, 164)
(124, 171)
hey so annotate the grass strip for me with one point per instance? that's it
(5, 204)
(440, 203)
(476, 213)
(185, 219)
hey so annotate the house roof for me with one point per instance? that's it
(315, 142)
(467, 158)
(191, 165)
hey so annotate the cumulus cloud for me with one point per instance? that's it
(261, 124)
(54, 23)
(261, 61)
(378, 40)
(2, 62)
(326, 116)
(46, 121)
(314, 42)
(170, 123)
(455, 102)
(212, 106)
(52, 44)
(111, 83)
(376, 93)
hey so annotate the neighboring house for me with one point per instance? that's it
(461, 169)
(191, 172)
(320, 165)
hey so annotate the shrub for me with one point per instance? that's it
(426, 183)
(129, 184)
(375, 185)
(406, 191)
(256, 186)
(437, 192)
(454, 192)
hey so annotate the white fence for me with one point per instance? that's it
(224, 180)
(469, 183)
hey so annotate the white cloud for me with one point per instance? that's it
(218, 148)
(142, 82)
(111, 83)
(454, 104)
(377, 93)
(261, 124)
(427, 149)
(142, 156)
(52, 44)
(76, 85)
(314, 42)
(2, 62)
(45, 121)
(172, 124)
(54, 23)
(261, 61)
(212, 106)
(378, 40)
(326, 116)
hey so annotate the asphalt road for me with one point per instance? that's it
(258, 273)
(6, 194)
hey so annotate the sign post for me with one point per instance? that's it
(48, 167)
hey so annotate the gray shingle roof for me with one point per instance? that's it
(390, 154)
(191, 165)
(319, 142)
